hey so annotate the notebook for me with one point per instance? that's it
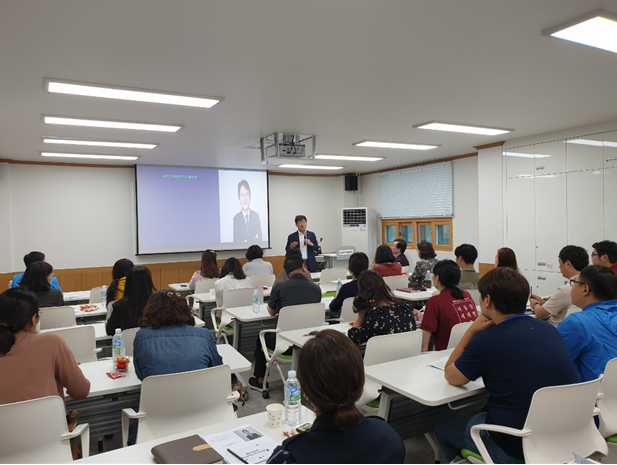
(192, 449)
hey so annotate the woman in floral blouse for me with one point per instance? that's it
(424, 265)
(377, 309)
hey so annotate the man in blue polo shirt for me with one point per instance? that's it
(31, 258)
(515, 355)
(591, 335)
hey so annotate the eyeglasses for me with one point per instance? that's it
(595, 254)
(172, 293)
(573, 281)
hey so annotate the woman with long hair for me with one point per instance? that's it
(37, 279)
(385, 262)
(505, 257)
(115, 291)
(232, 277)
(446, 309)
(208, 270)
(340, 433)
(127, 311)
(428, 259)
(378, 310)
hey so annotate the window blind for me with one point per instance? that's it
(422, 192)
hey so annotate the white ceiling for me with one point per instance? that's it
(345, 70)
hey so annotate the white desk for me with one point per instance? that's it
(298, 337)
(317, 276)
(140, 453)
(71, 298)
(79, 313)
(181, 287)
(414, 296)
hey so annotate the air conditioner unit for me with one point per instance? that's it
(360, 229)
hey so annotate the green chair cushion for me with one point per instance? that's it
(373, 403)
(467, 453)
(283, 356)
(229, 328)
(329, 294)
(612, 439)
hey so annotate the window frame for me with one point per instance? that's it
(416, 222)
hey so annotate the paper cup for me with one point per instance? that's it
(275, 415)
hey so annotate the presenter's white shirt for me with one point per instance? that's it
(302, 245)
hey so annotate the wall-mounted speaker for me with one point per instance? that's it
(351, 182)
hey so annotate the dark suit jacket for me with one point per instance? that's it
(253, 234)
(402, 259)
(310, 251)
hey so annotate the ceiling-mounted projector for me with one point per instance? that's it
(284, 147)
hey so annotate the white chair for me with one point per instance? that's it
(559, 422)
(222, 322)
(407, 269)
(110, 308)
(397, 282)
(205, 285)
(35, 431)
(607, 402)
(241, 297)
(475, 295)
(129, 337)
(573, 309)
(81, 341)
(57, 317)
(263, 279)
(457, 333)
(289, 318)
(387, 348)
(331, 274)
(95, 295)
(179, 402)
(347, 313)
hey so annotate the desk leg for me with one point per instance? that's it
(435, 446)
(384, 404)
(295, 354)
(237, 335)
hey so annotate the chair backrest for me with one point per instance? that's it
(205, 285)
(573, 309)
(129, 337)
(57, 317)
(607, 400)
(110, 308)
(184, 401)
(241, 297)
(263, 279)
(561, 421)
(390, 347)
(396, 282)
(332, 274)
(95, 295)
(301, 316)
(457, 333)
(407, 269)
(475, 295)
(30, 432)
(81, 341)
(347, 313)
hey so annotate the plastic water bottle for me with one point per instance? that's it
(339, 284)
(293, 400)
(104, 297)
(428, 280)
(256, 302)
(117, 346)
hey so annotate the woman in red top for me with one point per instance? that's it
(450, 307)
(385, 262)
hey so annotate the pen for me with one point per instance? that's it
(236, 456)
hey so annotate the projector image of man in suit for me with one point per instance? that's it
(247, 226)
(305, 241)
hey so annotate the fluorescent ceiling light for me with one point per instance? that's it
(347, 157)
(596, 29)
(94, 123)
(525, 155)
(87, 155)
(98, 143)
(312, 167)
(58, 86)
(597, 143)
(466, 128)
(394, 145)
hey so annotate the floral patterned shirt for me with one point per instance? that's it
(422, 267)
(397, 318)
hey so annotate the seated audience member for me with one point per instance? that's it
(115, 291)
(168, 341)
(591, 335)
(358, 262)
(493, 348)
(31, 258)
(446, 309)
(385, 263)
(340, 433)
(232, 277)
(127, 311)
(506, 258)
(255, 263)
(209, 269)
(466, 255)
(572, 259)
(378, 311)
(398, 249)
(34, 365)
(424, 265)
(605, 254)
(298, 290)
(37, 278)
(281, 277)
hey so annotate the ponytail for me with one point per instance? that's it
(457, 293)
(17, 307)
(347, 416)
(7, 339)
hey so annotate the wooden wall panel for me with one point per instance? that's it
(484, 268)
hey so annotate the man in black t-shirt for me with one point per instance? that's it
(298, 290)
(515, 355)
